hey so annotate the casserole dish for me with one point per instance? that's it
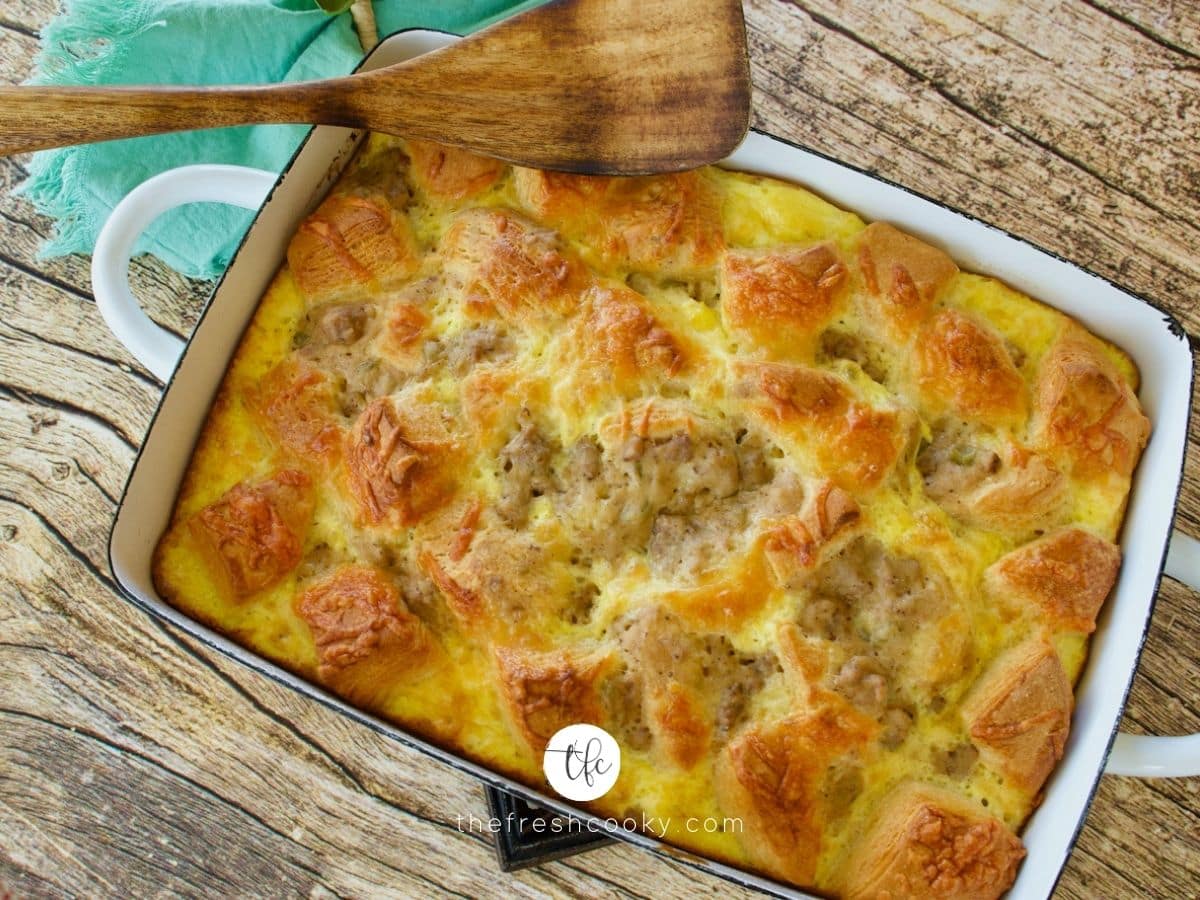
(1157, 345)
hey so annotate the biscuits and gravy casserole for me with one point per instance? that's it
(815, 524)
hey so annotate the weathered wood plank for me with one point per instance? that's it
(134, 846)
(1173, 23)
(30, 17)
(17, 46)
(1118, 97)
(66, 377)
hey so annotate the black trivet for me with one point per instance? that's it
(522, 842)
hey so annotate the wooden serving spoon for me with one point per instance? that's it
(622, 87)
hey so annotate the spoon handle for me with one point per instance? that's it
(36, 118)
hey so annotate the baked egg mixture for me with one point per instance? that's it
(815, 524)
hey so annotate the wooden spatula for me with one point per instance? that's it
(595, 86)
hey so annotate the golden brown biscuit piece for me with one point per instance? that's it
(351, 242)
(1066, 575)
(399, 456)
(963, 367)
(297, 405)
(253, 536)
(1085, 413)
(503, 265)
(904, 272)
(771, 777)
(928, 842)
(781, 298)
(1019, 713)
(365, 636)
(449, 174)
(621, 341)
(856, 444)
(666, 224)
(546, 691)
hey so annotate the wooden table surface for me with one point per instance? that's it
(133, 761)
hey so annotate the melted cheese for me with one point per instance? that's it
(502, 349)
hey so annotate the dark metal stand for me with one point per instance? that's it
(529, 836)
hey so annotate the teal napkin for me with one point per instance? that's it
(197, 42)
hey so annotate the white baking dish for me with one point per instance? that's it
(1154, 339)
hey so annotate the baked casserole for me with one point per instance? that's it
(815, 524)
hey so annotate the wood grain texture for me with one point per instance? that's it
(134, 761)
(651, 86)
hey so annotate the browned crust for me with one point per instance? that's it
(964, 367)
(857, 444)
(1085, 413)
(545, 691)
(620, 344)
(770, 777)
(503, 265)
(1066, 576)
(1019, 714)
(295, 403)
(666, 223)
(781, 298)
(448, 174)
(794, 545)
(906, 273)
(366, 639)
(398, 462)
(928, 842)
(252, 537)
(351, 242)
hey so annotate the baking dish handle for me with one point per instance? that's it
(1163, 757)
(153, 346)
